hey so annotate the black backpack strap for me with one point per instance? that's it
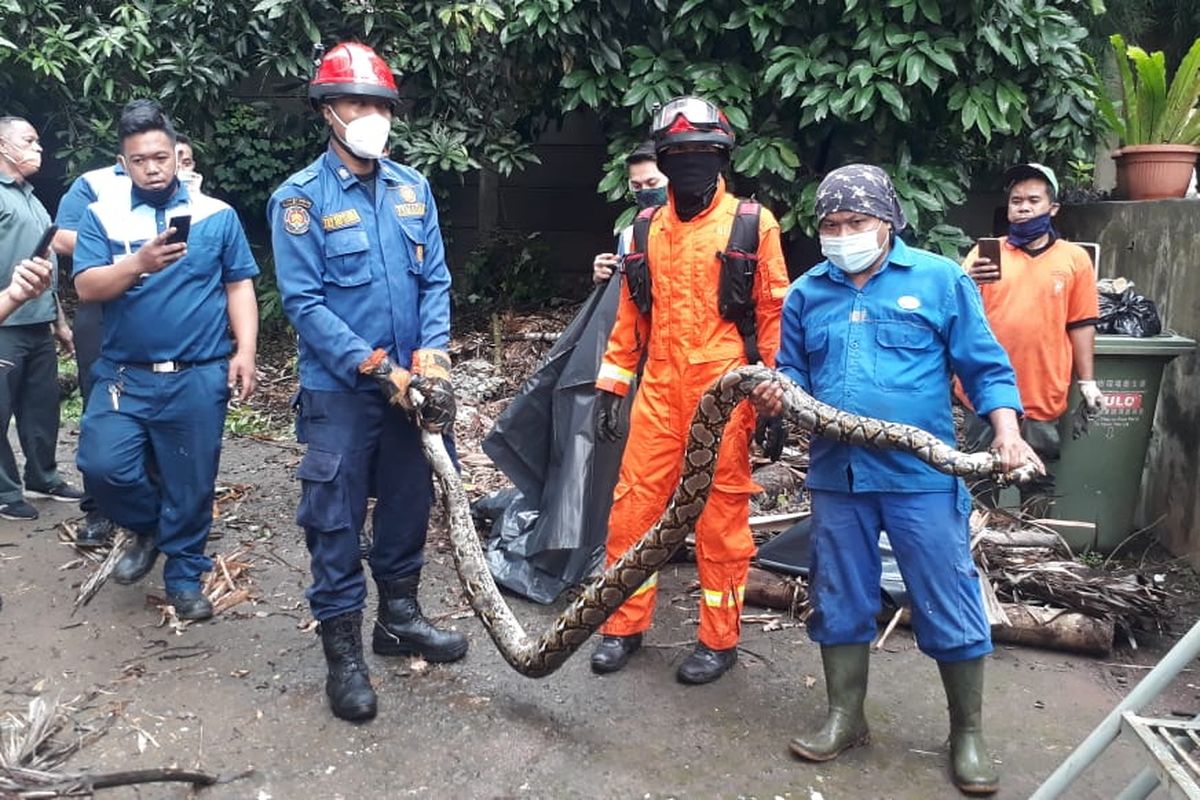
(635, 264)
(739, 266)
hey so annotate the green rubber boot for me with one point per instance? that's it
(844, 726)
(970, 765)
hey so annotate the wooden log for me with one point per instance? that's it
(1055, 629)
(768, 590)
(1049, 628)
(1022, 538)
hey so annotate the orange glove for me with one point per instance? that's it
(392, 380)
(431, 377)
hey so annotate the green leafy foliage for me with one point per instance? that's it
(937, 91)
(958, 88)
(1148, 112)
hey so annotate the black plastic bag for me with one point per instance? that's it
(1129, 314)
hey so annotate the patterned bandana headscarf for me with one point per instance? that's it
(863, 188)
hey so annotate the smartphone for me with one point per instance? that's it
(43, 246)
(990, 249)
(182, 226)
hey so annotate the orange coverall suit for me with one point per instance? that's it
(689, 346)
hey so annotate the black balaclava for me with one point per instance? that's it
(693, 178)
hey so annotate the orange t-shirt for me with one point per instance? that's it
(1032, 306)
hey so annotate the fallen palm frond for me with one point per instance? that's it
(38, 740)
(1029, 565)
(122, 541)
(1030, 573)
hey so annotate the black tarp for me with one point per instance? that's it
(550, 533)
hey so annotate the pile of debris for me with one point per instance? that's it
(36, 743)
(1035, 592)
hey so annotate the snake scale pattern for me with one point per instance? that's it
(538, 657)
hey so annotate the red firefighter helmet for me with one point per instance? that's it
(690, 119)
(351, 68)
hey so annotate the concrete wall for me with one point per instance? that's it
(1156, 244)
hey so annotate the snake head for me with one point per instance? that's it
(1022, 474)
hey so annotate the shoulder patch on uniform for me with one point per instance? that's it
(303, 202)
(340, 219)
(296, 219)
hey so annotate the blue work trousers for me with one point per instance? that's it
(149, 448)
(359, 447)
(930, 537)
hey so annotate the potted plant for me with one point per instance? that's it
(1158, 127)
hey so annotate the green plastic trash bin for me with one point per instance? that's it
(1099, 476)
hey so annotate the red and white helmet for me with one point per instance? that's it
(690, 120)
(352, 69)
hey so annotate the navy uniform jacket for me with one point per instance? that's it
(358, 273)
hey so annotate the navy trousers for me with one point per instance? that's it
(930, 536)
(359, 447)
(88, 332)
(151, 461)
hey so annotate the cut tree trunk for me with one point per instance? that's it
(768, 590)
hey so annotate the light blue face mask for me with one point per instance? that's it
(853, 253)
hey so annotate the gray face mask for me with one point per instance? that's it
(647, 198)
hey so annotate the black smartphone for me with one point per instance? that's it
(43, 246)
(182, 226)
(990, 249)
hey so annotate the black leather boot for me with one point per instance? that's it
(138, 560)
(705, 665)
(96, 531)
(349, 683)
(613, 652)
(402, 630)
(190, 604)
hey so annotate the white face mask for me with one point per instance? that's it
(191, 179)
(366, 137)
(854, 253)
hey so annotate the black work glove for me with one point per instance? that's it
(437, 408)
(608, 416)
(393, 381)
(770, 433)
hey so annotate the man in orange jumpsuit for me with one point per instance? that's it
(688, 344)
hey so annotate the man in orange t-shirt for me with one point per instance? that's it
(1042, 304)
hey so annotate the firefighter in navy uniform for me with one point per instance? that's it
(362, 273)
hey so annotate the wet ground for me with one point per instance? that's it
(244, 692)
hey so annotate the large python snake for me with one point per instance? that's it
(539, 657)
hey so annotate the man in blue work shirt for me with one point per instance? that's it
(85, 190)
(877, 329)
(150, 440)
(362, 272)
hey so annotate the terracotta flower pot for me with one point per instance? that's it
(1154, 171)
